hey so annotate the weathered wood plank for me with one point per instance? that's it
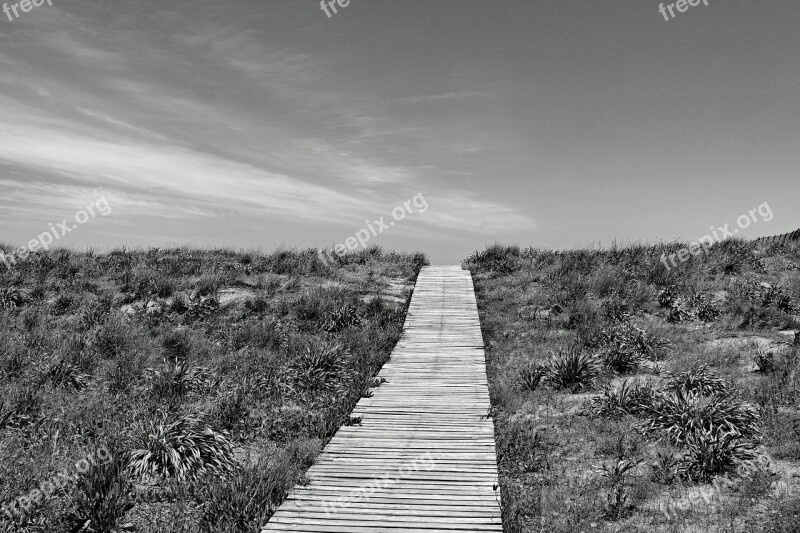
(423, 457)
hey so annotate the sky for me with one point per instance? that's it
(266, 123)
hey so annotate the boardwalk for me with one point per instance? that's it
(423, 458)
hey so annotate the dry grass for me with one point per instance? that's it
(214, 377)
(696, 380)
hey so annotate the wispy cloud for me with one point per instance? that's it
(200, 116)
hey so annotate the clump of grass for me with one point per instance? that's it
(111, 338)
(700, 379)
(177, 344)
(341, 317)
(711, 453)
(232, 413)
(101, 499)
(677, 415)
(760, 305)
(704, 309)
(183, 449)
(624, 346)
(270, 333)
(665, 468)
(329, 309)
(667, 296)
(62, 304)
(679, 312)
(23, 410)
(573, 369)
(531, 375)
(696, 305)
(63, 374)
(765, 361)
(177, 378)
(627, 399)
(146, 283)
(249, 496)
(13, 298)
(495, 259)
(209, 285)
(621, 361)
(522, 446)
(617, 478)
(199, 307)
(317, 366)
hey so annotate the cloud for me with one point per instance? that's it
(174, 171)
(217, 119)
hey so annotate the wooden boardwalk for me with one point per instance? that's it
(423, 458)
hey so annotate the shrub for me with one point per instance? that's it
(184, 449)
(774, 296)
(384, 315)
(258, 304)
(288, 422)
(761, 305)
(572, 369)
(180, 303)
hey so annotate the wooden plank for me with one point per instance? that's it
(423, 457)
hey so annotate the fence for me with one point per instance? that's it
(786, 237)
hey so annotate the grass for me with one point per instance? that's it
(622, 391)
(214, 377)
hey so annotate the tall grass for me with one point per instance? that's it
(140, 348)
(690, 409)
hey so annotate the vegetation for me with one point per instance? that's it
(214, 378)
(622, 390)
